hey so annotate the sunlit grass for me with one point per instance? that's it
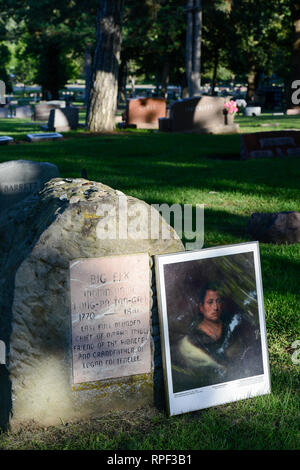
(166, 168)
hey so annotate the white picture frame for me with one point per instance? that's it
(224, 358)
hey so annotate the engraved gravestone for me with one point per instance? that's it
(110, 317)
(60, 227)
(199, 114)
(23, 112)
(63, 120)
(20, 178)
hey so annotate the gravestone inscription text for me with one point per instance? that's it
(110, 317)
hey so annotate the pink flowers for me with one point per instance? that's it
(230, 107)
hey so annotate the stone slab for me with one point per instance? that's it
(63, 120)
(252, 111)
(276, 227)
(44, 136)
(21, 178)
(270, 144)
(2, 352)
(42, 110)
(60, 226)
(110, 317)
(293, 112)
(23, 112)
(4, 113)
(199, 114)
(145, 112)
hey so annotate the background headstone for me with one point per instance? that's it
(44, 136)
(42, 110)
(4, 113)
(278, 227)
(145, 112)
(20, 178)
(270, 144)
(199, 114)
(23, 112)
(35, 322)
(63, 120)
(59, 103)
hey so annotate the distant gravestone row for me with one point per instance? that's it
(200, 114)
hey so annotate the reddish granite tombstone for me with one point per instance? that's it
(270, 144)
(199, 114)
(145, 112)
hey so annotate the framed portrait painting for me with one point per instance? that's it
(212, 325)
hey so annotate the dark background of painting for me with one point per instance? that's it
(234, 273)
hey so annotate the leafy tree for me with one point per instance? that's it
(295, 53)
(259, 31)
(54, 33)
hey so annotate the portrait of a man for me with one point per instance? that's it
(211, 312)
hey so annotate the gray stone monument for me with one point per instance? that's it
(77, 256)
(23, 112)
(20, 178)
(203, 114)
(63, 120)
(4, 113)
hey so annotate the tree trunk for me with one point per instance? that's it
(88, 61)
(295, 61)
(193, 45)
(215, 73)
(252, 80)
(104, 90)
(165, 79)
(122, 80)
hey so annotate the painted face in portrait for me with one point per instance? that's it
(211, 308)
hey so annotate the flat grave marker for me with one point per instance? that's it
(5, 139)
(270, 144)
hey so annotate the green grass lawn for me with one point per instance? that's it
(192, 169)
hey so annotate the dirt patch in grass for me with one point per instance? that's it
(33, 436)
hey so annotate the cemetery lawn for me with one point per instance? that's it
(192, 169)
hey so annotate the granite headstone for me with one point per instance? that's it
(20, 178)
(110, 317)
(63, 120)
(145, 112)
(270, 144)
(199, 114)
